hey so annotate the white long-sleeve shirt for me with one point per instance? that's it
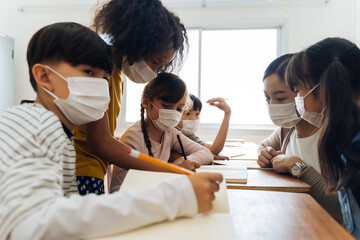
(36, 176)
(134, 138)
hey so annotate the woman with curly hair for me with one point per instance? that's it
(146, 39)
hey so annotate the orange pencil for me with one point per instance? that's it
(158, 162)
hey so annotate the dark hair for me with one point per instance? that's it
(197, 105)
(69, 42)
(166, 87)
(278, 66)
(140, 29)
(297, 72)
(334, 63)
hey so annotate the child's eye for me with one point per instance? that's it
(267, 99)
(89, 72)
(188, 114)
(166, 106)
(179, 110)
(153, 61)
(197, 114)
(280, 99)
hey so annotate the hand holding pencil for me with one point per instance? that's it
(188, 164)
(204, 184)
(184, 162)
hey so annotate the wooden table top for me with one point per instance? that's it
(247, 151)
(237, 163)
(260, 178)
(271, 181)
(279, 215)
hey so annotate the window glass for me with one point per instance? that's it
(232, 66)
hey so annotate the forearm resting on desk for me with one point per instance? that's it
(329, 201)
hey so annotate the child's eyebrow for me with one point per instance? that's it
(278, 92)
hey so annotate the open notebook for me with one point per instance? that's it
(214, 225)
(231, 174)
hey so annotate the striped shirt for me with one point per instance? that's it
(37, 163)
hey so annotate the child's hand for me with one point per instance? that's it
(188, 164)
(282, 163)
(265, 156)
(205, 185)
(220, 103)
(219, 157)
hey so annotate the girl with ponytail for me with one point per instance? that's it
(162, 104)
(333, 65)
(292, 147)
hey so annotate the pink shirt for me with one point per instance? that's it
(134, 138)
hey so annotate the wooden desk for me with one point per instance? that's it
(237, 163)
(249, 150)
(278, 215)
(271, 181)
(265, 178)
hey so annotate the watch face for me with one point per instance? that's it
(295, 170)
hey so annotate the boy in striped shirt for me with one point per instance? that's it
(69, 66)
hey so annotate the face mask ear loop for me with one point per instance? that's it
(51, 94)
(312, 90)
(154, 106)
(147, 111)
(56, 73)
(46, 90)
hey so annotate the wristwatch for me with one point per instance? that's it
(297, 168)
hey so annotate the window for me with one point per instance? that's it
(223, 63)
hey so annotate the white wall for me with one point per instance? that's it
(22, 25)
(305, 23)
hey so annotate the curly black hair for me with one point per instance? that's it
(140, 29)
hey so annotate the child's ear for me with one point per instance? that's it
(41, 76)
(145, 103)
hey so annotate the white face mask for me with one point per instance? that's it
(190, 126)
(167, 119)
(283, 115)
(313, 118)
(87, 101)
(139, 72)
